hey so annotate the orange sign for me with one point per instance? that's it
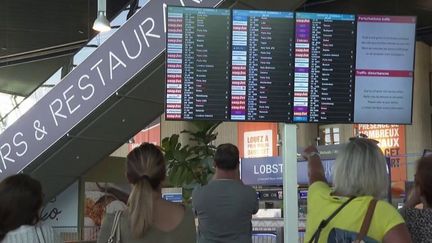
(391, 140)
(150, 135)
(257, 139)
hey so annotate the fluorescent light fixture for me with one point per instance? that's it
(101, 23)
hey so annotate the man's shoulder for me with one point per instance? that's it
(251, 192)
(249, 189)
(214, 185)
(198, 191)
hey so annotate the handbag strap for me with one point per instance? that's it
(37, 234)
(115, 229)
(366, 221)
(38, 229)
(325, 222)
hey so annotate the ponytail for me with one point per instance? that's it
(140, 206)
(145, 170)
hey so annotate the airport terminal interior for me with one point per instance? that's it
(84, 82)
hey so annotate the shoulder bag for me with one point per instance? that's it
(115, 230)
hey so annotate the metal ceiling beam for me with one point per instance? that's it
(42, 54)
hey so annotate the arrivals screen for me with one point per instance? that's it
(248, 65)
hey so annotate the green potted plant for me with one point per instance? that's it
(190, 165)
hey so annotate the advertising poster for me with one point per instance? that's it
(257, 140)
(101, 198)
(391, 140)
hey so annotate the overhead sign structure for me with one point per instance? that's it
(130, 49)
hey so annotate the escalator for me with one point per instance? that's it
(115, 92)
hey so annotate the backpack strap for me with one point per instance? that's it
(325, 222)
(366, 221)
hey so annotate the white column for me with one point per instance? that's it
(290, 203)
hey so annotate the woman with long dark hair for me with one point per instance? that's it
(419, 220)
(149, 218)
(20, 204)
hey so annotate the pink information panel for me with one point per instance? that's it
(384, 69)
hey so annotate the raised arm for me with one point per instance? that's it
(315, 167)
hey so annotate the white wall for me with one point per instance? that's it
(62, 210)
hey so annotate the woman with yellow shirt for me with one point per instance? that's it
(359, 175)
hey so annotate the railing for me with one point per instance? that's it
(267, 234)
(73, 234)
(269, 230)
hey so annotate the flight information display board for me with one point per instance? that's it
(251, 65)
(262, 65)
(324, 68)
(198, 63)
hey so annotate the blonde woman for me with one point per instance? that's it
(149, 218)
(359, 175)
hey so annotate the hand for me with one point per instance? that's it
(315, 167)
(308, 150)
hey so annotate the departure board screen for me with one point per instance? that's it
(262, 65)
(324, 68)
(198, 64)
(253, 65)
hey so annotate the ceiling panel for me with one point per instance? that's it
(28, 26)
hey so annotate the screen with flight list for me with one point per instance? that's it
(273, 66)
(198, 63)
(262, 65)
(324, 68)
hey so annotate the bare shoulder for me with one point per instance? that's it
(175, 212)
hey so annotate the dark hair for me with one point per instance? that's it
(20, 202)
(423, 178)
(145, 170)
(227, 157)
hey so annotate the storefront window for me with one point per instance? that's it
(330, 135)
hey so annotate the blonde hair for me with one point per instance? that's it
(145, 171)
(360, 170)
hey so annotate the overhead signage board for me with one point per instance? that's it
(292, 67)
(262, 171)
(129, 50)
(268, 171)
